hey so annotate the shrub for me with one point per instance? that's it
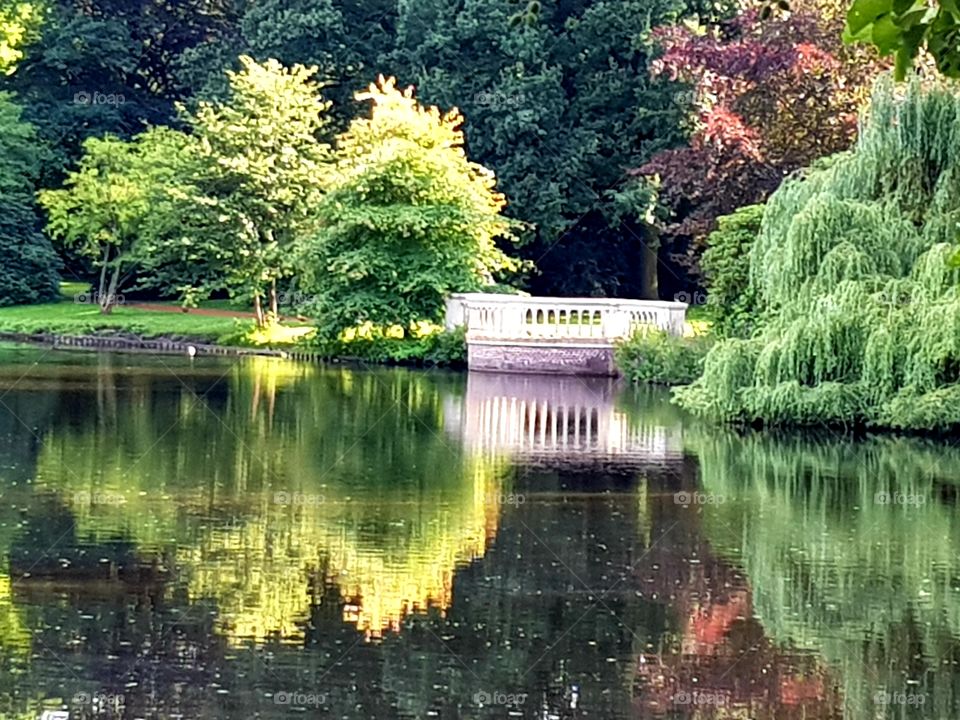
(731, 303)
(654, 356)
(432, 347)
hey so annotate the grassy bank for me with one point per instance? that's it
(229, 329)
(70, 318)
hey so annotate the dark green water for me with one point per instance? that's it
(241, 539)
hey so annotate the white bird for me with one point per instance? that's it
(191, 351)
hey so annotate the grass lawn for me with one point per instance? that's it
(69, 317)
(83, 318)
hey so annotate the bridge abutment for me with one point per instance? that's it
(541, 358)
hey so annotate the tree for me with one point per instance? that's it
(256, 172)
(905, 29)
(771, 96)
(560, 107)
(345, 40)
(857, 318)
(408, 219)
(99, 211)
(19, 22)
(726, 265)
(28, 264)
(97, 67)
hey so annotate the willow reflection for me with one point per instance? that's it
(853, 551)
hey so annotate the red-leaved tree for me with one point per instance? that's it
(769, 96)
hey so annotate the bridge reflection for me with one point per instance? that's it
(551, 420)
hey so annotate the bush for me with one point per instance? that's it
(434, 347)
(654, 356)
(731, 303)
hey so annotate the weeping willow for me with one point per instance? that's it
(860, 319)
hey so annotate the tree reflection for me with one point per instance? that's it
(852, 550)
(201, 537)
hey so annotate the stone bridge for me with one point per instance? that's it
(564, 336)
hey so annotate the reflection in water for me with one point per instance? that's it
(258, 538)
(854, 554)
(307, 466)
(556, 421)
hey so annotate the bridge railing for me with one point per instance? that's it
(489, 316)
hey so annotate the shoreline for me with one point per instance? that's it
(181, 344)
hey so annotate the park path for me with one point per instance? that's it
(209, 312)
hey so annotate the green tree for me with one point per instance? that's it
(560, 109)
(345, 40)
(408, 218)
(99, 211)
(259, 173)
(726, 263)
(28, 264)
(906, 28)
(19, 22)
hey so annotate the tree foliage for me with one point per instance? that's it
(726, 264)
(560, 107)
(907, 28)
(92, 68)
(100, 210)
(27, 261)
(248, 188)
(859, 311)
(407, 220)
(771, 96)
(18, 25)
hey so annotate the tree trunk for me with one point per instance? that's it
(274, 305)
(258, 310)
(102, 287)
(650, 269)
(110, 299)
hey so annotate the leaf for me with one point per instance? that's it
(863, 13)
(886, 35)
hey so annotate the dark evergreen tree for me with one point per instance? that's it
(28, 264)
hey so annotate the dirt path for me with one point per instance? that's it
(209, 312)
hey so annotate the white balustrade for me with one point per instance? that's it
(490, 316)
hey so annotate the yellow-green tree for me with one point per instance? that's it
(408, 218)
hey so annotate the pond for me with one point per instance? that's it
(258, 538)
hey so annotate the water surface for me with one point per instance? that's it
(265, 539)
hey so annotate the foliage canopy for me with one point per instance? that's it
(28, 264)
(407, 219)
(859, 309)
